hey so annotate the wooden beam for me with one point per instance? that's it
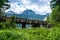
(23, 25)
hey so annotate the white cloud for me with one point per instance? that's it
(45, 9)
(39, 6)
(26, 2)
(16, 8)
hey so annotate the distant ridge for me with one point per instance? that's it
(10, 13)
(29, 14)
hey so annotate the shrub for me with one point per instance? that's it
(30, 34)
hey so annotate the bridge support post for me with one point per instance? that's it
(44, 24)
(35, 25)
(23, 25)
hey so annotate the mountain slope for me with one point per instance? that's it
(10, 13)
(29, 14)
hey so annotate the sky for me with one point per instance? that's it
(38, 6)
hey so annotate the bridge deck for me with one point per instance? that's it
(24, 21)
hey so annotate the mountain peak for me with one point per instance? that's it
(10, 12)
(28, 12)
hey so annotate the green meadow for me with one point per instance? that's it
(30, 34)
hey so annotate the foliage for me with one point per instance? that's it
(55, 15)
(55, 3)
(30, 34)
(55, 12)
(13, 21)
(8, 23)
(3, 5)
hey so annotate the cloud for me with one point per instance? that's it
(39, 6)
(16, 8)
(38, 2)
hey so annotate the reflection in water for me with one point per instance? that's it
(20, 26)
(28, 26)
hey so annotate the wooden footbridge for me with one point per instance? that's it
(34, 23)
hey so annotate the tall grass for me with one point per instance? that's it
(30, 34)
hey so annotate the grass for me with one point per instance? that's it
(30, 34)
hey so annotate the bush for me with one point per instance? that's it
(30, 34)
(11, 35)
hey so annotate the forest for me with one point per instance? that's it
(8, 30)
